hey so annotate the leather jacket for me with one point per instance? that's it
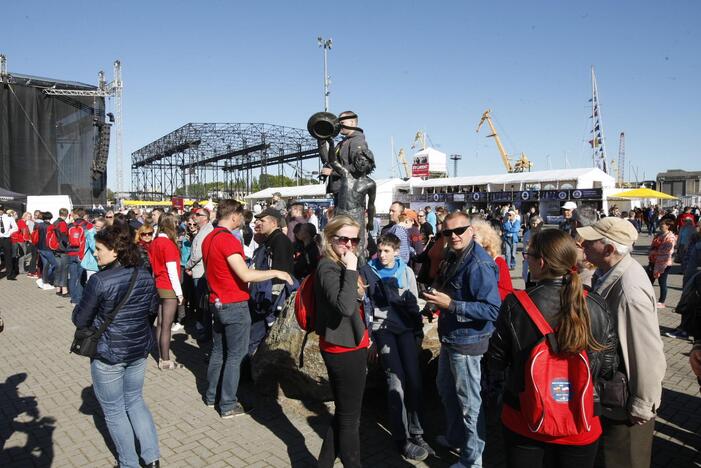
(516, 335)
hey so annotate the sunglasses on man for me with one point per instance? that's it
(458, 231)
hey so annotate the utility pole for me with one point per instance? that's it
(455, 158)
(326, 45)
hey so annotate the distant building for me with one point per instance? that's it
(679, 183)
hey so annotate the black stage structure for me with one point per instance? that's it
(227, 154)
(52, 145)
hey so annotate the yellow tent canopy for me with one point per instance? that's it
(642, 193)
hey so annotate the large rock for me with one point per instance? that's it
(288, 362)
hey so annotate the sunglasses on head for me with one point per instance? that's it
(459, 231)
(200, 214)
(345, 240)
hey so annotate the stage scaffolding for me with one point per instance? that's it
(228, 154)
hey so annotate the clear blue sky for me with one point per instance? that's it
(401, 65)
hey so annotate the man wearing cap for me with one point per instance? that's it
(274, 253)
(624, 285)
(511, 228)
(568, 224)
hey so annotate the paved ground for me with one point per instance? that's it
(49, 415)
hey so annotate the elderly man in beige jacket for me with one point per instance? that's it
(623, 283)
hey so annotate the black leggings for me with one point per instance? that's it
(166, 314)
(523, 452)
(347, 372)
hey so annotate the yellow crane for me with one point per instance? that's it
(521, 165)
(402, 159)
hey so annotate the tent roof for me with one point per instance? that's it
(10, 195)
(518, 177)
(642, 193)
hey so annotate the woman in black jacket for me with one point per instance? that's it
(118, 368)
(343, 338)
(581, 323)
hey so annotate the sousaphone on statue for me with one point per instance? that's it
(347, 166)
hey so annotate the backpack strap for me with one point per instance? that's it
(533, 313)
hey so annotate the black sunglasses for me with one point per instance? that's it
(457, 231)
(345, 240)
(200, 214)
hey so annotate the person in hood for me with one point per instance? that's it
(395, 321)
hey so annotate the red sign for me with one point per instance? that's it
(178, 203)
(419, 170)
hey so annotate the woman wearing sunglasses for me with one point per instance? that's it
(185, 245)
(143, 238)
(343, 338)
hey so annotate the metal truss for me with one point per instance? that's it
(224, 153)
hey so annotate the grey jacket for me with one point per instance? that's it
(337, 306)
(629, 294)
(195, 262)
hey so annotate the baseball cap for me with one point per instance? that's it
(273, 213)
(412, 215)
(612, 228)
(570, 205)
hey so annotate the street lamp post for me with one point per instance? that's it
(326, 45)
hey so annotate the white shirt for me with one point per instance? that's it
(8, 225)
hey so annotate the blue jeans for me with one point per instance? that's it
(230, 334)
(400, 360)
(459, 387)
(510, 251)
(119, 389)
(48, 266)
(75, 271)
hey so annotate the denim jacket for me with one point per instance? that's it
(472, 284)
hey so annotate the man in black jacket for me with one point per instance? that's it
(275, 253)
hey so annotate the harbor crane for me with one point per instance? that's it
(402, 159)
(523, 164)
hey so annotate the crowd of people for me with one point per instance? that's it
(227, 272)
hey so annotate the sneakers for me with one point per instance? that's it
(176, 327)
(677, 333)
(661, 305)
(412, 451)
(169, 365)
(417, 439)
(237, 410)
(47, 287)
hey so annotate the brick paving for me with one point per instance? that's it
(49, 415)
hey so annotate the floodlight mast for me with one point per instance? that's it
(326, 45)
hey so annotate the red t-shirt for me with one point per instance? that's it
(332, 348)
(162, 251)
(223, 282)
(18, 236)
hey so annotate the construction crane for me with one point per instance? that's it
(112, 89)
(401, 157)
(620, 176)
(420, 138)
(521, 165)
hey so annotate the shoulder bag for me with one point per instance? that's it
(85, 339)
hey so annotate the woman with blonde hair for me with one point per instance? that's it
(343, 338)
(581, 323)
(165, 262)
(488, 237)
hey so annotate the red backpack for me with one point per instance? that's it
(76, 236)
(52, 237)
(558, 397)
(305, 304)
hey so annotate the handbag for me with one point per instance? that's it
(614, 393)
(85, 339)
